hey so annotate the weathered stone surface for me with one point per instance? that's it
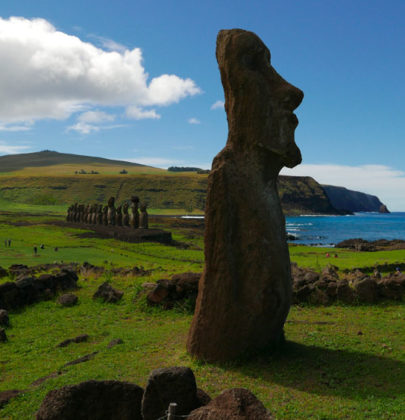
(68, 299)
(232, 404)
(107, 293)
(366, 290)
(5, 396)
(3, 336)
(114, 342)
(3, 272)
(344, 292)
(392, 286)
(28, 289)
(96, 400)
(202, 397)
(175, 384)
(245, 290)
(79, 339)
(4, 319)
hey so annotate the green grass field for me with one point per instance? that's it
(340, 362)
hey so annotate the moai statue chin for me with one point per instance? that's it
(143, 218)
(245, 289)
(134, 217)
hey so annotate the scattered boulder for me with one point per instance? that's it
(107, 293)
(28, 289)
(232, 404)
(392, 286)
(68, 299)
(178, 288)
(3, 336)
(82, 359)
(79, 339)
(5, 396)
(366, 290)
(4, 319)
(114, 342)
(175, 384)
(344, 293)
(3, 272)
(96, 400)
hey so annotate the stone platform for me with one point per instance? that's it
(122, 233)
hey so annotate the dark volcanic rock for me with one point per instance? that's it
(3, 272)
(28, 289)
(344, 292)
(79, 339)
(245, 291)
(95, 400)
(114, 342)
(202, 397)
(232, 404)
(3, 336)
(82, 359)
(4, 319)
(366, 290)
(392, 286)
(5, 396)
(68, 299)
(108, 294)
(175, 384)
(383, 209)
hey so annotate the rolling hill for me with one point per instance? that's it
(52, 178)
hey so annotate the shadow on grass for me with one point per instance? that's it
(325, 371)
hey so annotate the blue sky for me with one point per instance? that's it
(138, 80)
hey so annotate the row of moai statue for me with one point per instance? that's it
(97, 214)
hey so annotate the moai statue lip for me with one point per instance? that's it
(245, 289)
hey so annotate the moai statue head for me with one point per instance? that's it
(135, 201)
(111, 202)
(259, 103)
(125, 208)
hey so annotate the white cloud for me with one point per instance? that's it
(46, 73)
(9, 149)
(137, 113)
(388, 184)
(109, 44)
(217, 105)
(194, 121)
(90, 121)
(95, 117)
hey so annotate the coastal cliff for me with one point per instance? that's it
(353, 201)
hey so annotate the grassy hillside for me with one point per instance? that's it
(50, 178)
(47, 162)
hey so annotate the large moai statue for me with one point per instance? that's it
(245, 289)
(143, 218)
(75, 212)
(87, 217)
(118, 216)
(134, 216)
(125, 216)
(105, 215)
(94, 208)
(81, 213)
(99, 214)
(111, 211)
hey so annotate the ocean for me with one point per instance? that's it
(329, 230)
